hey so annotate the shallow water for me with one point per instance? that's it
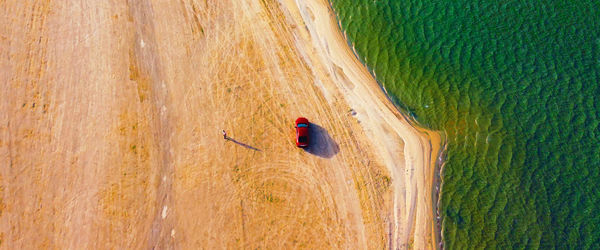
(514, 85)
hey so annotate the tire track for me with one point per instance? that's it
(147, 58)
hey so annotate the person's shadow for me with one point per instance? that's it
(321, 144)
(242, 144)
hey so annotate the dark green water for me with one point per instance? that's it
(515, 87)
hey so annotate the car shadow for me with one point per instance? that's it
(321, 144)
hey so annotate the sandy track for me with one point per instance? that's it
(110, 120)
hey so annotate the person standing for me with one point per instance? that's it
(224, 134)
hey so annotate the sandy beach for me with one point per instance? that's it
(110, 131)
(411, 166)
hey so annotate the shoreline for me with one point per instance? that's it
(437, 164)
(363, 93)
(438, 185)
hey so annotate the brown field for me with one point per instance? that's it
(110, 131)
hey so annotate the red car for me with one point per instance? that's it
(302, 136)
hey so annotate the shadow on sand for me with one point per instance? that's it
(321, 144)
(243, 144)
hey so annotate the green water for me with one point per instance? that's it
(515, 87)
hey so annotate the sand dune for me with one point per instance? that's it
(110, 120)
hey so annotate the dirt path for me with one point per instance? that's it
(110, 125)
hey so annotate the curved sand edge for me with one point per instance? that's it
(410, 153)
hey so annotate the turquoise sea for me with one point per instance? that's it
(514, 85)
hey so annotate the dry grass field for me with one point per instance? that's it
(110, 132)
